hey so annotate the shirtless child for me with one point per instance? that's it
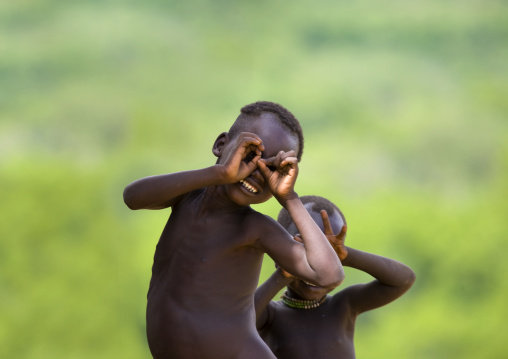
(208, 259)
(308, 323)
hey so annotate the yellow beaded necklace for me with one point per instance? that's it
(301, 303)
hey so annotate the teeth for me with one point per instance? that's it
(312, 285)
(248, 186)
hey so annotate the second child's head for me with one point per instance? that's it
(276, 127)
(314, 205)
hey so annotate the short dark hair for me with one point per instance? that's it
(319, 203)
(286, 118)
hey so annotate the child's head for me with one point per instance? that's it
(279, 131)
(314, 205)
(252, 112)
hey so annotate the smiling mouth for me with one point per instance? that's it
(248, 186)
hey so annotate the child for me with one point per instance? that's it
(308, 323)
(207, 262)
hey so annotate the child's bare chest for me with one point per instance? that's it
(206, 256)
(313, 333)
(207, 232)
(207, 243)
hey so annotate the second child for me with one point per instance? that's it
(309, 323)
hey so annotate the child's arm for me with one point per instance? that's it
(162, 191)
(314, 261)
(393, 278)
(265, 293)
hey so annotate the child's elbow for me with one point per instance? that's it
(411, 278)
(339, 278)
(408, 279)
(334, 279)
(129, 198)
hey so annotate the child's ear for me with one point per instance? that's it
(219, 144)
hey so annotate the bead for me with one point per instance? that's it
(301, 303)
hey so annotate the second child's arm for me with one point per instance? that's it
(162, 191)
(314, 261)
(393, 278)
(265, 293)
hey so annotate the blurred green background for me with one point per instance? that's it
(404, 108)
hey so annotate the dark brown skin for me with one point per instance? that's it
(327, 331)
(207, 262)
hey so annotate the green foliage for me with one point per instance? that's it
(403, 107)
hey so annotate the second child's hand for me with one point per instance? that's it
(284, 273)
(280, 172)
(336, 240)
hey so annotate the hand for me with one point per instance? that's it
(280, 172)
(284, 273)
(242, 159)
(336, 240)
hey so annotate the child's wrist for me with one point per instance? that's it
(346, 259)
(284, 200)
(221, 174)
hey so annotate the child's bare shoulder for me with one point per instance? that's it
(187, 197)
(263, 228)
(262, 222)
(342, 299)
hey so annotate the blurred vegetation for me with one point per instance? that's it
(404, 109)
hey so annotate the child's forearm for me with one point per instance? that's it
(388, 271)
(265, 293)
(320, 255)
(156, 192)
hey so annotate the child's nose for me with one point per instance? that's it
(257, 175)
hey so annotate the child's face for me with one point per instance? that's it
(275, 138)
(303, 289)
